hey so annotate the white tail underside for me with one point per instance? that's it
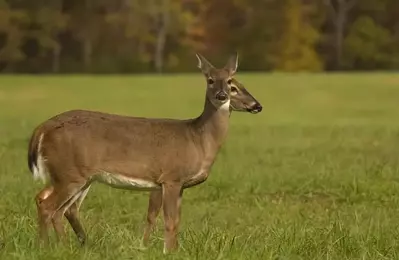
(39, 167)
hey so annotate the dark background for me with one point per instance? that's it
(135, 36)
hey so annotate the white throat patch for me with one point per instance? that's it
(225, 106)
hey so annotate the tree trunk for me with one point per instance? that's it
(56, 59)
(87, 44)
(339, 36)
(161, 37)
(159, 49)
(87, 53)
(338, 16)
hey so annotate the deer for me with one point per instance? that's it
(162, 156)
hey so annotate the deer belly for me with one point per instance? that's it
(122, 182)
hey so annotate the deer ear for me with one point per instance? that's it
(203, 64)
(232, 63)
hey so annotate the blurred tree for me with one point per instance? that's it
(371, 42)
(296, 44)
(49, 22)
(256, 27)
(86, 23)
(151, 26)
(368, 45)
(173, 23)
(122, 36)
(12, 33)
(393, 26)
(246, 26)
(338, 12)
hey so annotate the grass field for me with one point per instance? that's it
(314, 176)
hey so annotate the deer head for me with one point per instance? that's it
(223, 91)
(218, 81)
(241, 100)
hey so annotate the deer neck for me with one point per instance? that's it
(213, 125)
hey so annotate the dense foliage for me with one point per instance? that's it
(109, 36)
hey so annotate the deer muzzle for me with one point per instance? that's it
(222, 96)
(256, 108)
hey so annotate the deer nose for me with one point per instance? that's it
(258, 107)
(222, 96)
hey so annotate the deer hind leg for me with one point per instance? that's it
(171, 195)
(51, 204)
(154, 206)
(72, 215)
(44, 223)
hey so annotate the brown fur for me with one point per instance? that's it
(173, 154)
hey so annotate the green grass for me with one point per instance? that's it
(314, 176)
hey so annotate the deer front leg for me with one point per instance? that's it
(154, 206)
(171, 196)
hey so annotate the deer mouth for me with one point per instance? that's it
(255, 109)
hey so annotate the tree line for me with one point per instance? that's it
(135, 36)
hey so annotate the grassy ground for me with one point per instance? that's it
(314, 176)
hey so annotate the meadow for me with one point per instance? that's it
(315, 175)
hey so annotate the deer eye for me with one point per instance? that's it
(234, 90)
(210, 81)
(229, 81)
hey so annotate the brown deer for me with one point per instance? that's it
(164, 156)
